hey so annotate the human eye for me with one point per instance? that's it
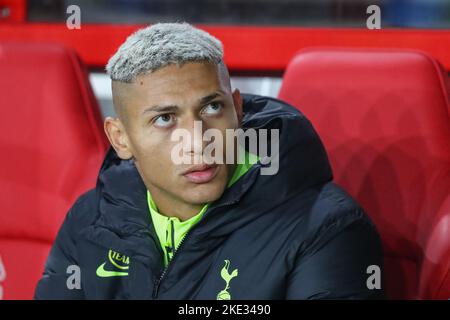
(164, 121)
(213, 108)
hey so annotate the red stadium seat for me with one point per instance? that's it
(52, 145)
(383, 116)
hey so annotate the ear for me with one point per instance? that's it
(237, 100)
(115, 131)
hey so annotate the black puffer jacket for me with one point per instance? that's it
(293, 235)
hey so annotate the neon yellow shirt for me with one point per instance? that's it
(171, 230)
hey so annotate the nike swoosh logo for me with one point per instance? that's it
(102, 273)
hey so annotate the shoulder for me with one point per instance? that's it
(327, 212)
(333, 204)
(83, 212)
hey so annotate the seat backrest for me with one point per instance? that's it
(52, 145)
(383, 116)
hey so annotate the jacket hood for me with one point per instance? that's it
(303, 163)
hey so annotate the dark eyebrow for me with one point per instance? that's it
(169, 108)
(210, 97)
(174, 108)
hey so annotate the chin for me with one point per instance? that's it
(204, 193)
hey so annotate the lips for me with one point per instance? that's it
(201, 173)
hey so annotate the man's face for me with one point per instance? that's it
(171, 98)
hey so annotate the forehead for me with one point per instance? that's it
(194, 75)
(173, 84)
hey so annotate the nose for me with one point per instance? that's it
(195, 144)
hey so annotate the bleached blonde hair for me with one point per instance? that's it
(159, 45)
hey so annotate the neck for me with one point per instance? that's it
(172, 207)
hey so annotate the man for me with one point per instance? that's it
(157, 228)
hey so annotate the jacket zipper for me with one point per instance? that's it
(170, 263)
